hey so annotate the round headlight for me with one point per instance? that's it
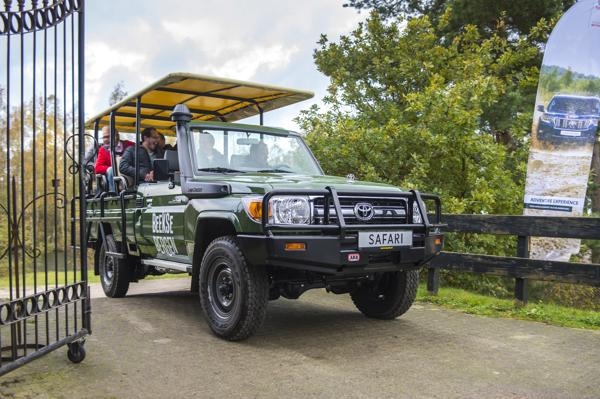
(290, 210)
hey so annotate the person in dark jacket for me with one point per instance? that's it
(162, 143)
(147, 152)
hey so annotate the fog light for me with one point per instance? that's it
(295, 246)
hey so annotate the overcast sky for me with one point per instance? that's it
(266, 41)
(576, 34)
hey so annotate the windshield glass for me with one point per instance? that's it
(575, 105)
(217, 150)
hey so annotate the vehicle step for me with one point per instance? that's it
(167, 264)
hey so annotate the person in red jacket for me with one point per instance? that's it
(103, 162)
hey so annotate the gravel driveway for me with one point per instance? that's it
(155, 344)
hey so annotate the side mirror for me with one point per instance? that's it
(540, 108)
(161, 169)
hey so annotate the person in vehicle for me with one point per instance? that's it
(103, 161)
(90, 157)
(89, 165)
(208, 156)
(147, 152)
(259, 154)
(162, 143)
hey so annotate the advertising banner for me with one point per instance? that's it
(565, 122)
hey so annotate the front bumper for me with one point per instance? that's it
(332, 247)
(336, 256)
(547, 131)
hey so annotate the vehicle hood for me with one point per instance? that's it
(261, 183)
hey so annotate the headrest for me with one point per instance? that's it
(173, 159)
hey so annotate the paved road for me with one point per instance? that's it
(156, 344)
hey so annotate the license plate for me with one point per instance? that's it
(377, 239)
(570, 133)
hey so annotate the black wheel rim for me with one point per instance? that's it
(108, 271)
(222, 290)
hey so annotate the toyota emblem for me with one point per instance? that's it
(364, 211)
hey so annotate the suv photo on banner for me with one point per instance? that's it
(565, 122)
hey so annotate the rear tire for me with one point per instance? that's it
(233, 294)
(114, 273)
(388, 296)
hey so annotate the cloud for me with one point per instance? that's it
(225, 53)
(269, 41)
(245, 66)
(204, 32)
(101, 57)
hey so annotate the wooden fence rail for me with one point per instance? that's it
(519, 267)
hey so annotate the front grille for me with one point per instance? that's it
(574, 124)
(385, 210)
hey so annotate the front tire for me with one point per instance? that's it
(233, 294)
(114, 273)
(390, 295)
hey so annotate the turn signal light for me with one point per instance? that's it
(255, 209)
(295, 246)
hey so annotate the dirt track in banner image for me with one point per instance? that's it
(557, 171)
(561, 172)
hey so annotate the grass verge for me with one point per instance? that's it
(468, 302)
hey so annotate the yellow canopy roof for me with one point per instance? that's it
(207, 97)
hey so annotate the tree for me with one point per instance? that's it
(521, 26)
(444, 105)
(519, 16)
(395, 8)
(415, 109)
(418, 110)
(117, 94)
(41, 173)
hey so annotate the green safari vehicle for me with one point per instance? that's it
(247, 212)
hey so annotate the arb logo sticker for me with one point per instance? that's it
(353, 257)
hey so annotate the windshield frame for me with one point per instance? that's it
(223, 143)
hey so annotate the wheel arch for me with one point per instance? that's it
(207, 229)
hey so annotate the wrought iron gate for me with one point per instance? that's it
(44, 296)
